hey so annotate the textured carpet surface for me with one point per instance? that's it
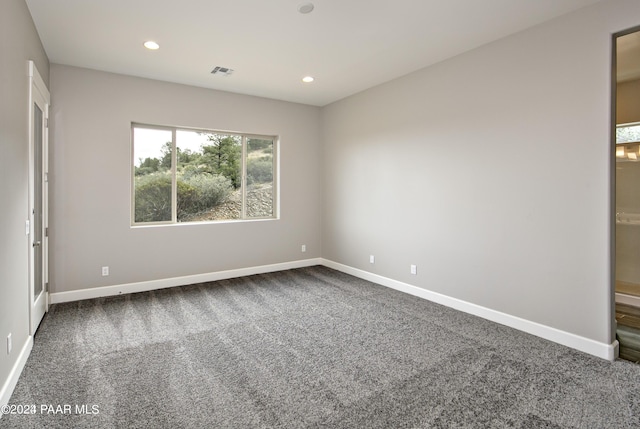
(306, 348)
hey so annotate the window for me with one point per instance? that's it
(628, 133)
(628, 142)
(183, 175)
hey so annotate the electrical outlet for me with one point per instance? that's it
(105, 271)
(304, 248)
(372, 259)
(9, 344)
(414, 270)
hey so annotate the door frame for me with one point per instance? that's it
(39, 93)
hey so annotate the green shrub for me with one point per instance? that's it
(187, 199)
(153, 198)
(260, 170)
(196, 194)
(201, 192)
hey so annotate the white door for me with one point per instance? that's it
(38, 197)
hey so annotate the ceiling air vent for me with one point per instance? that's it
(222, 71)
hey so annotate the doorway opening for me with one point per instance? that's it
(627, 193)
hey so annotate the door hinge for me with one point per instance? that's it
(46, 232)
(46, 123)
(46, 287)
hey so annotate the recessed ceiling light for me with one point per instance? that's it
(305, 8)
(308, 79)
(150, 44)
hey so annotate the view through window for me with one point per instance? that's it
(182, 175)
(627, 133)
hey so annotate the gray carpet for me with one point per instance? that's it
(308, 348)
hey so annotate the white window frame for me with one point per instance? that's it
(174, 188)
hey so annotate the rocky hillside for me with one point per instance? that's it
(259, 204)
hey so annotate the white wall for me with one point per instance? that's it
(90, 182)
(490, 171)
(19, 43)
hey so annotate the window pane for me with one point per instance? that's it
(37, 200)
(208, 176)
(259, 178)
(152, 175)
(628, 134)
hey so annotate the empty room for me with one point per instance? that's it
(347, 214)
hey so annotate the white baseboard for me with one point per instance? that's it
(14, 375)
(98, 292)
(595, 348)
(622, 298)
(602, 350)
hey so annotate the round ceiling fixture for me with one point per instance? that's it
(150, 44)
(305, 8)
(308, 79)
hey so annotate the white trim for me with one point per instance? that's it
(40, 96)
(592, 347)
(77, 295)
(623, 298)
(38, 81)
(601, 350)
(14, 375)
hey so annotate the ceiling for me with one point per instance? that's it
(347, 45)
